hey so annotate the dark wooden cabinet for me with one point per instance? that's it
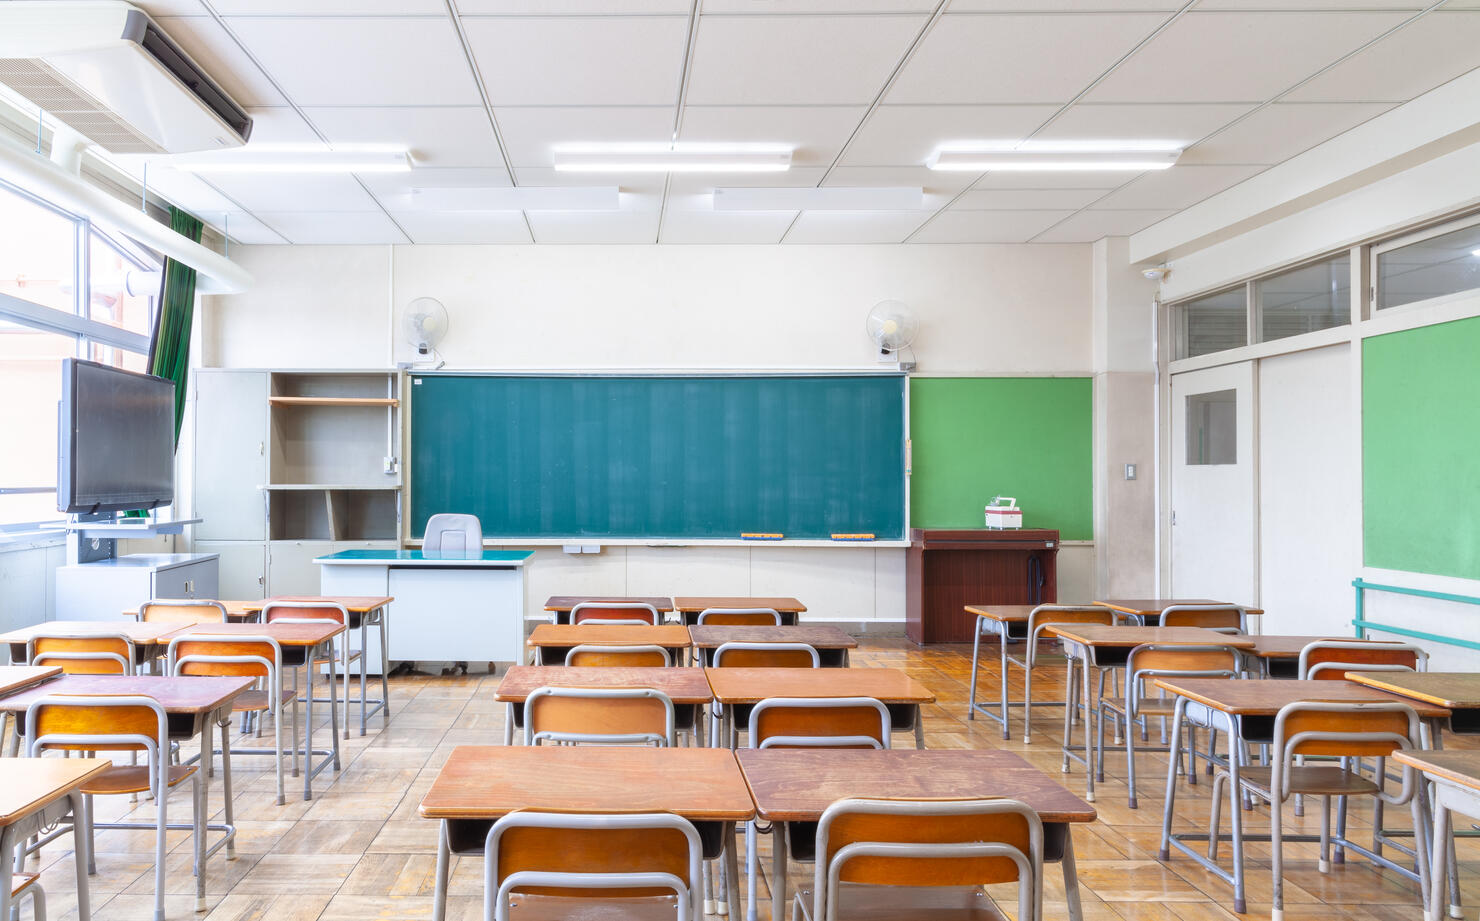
(945, 570)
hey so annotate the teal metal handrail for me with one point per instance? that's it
(1363, 624)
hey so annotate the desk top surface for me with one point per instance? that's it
(355, 604)
(1273, 646)
(143, 634)
(1459, 767)
(749, 685)
(19, 677)
(191, 694)
(312, 634)
(1003, 613)
(474, 559)
(694, 603)
(682, 685)
(566, 602)
(818, 636)
(669, 636)
(1104, 635)
(797, 785)
(1145, 606)
(489, 781)
(1266, 697)
(29, 784)
(1454, 690)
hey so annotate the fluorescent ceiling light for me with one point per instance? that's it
(893, 198)
(294, 159)
(672, 158)
(560, 198)
(1065, 156)
(1475, 253)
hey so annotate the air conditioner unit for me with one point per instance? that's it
(107, 70)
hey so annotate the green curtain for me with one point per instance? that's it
(169, 348)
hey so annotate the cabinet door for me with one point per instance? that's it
(243, 570)
(230, 454)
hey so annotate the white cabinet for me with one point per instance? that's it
(290, 563)
(231, 455)
(243, 575)
(105, 589)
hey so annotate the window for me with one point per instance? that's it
(1306, 299)
(1212, 428)
(31, 378)
(1213, 323)
(1447, 263)
(111, 273)
(38, 252)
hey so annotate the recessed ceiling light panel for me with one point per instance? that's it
(673, 158)
(294, 158)
(1063, 156)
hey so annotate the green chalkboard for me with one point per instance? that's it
(1026, 437)
(1421, 450)
(703, 456)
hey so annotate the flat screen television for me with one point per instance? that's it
(116, 439)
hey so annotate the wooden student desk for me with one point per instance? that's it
(1279, 656)
(35, 794)
(1457, 692)
(797, 785)
(832, 644)
(149, 639)
(693, 605)
(1455, 779)
(15, 678)
(551, 642)
(562, 604)
(1148, 610)
(893, 687)
(686, 687)
(482, 783)
(1245, 710)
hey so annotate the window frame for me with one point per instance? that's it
(1418, 236)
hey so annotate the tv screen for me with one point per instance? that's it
(116, 437)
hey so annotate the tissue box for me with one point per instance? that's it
(1004, 513)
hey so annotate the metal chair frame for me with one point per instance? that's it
(652, 612)
(533, 737)
(1000, 709)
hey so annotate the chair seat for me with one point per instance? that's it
(20, 882)
(129, 778)
(1313, 779)
(255, 701)
(1146, 706)
(555, 908)
(908, 903)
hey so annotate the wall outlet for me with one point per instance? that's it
(1130, 471)
(389, 465)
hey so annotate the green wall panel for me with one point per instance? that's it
(975, 438)
(1421, 450)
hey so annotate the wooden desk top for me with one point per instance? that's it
(1459, 767)
(1104, 635)
(1265, 698)
(143, 634)
(1454, 690)
(313, 634)
(682, 685)
(1288, 647)
(818, 636)
(566, 602)
(749, 685)
(355, 604)
(1002, 613)
(184, 695)
(19, 677)
(29, 784)
(797, 785)
(700, 602)
(669, 636)
(1148, 606)
(490, 781)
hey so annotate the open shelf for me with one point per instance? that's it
(333, 514)
(333, 401)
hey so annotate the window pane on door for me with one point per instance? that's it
(1446, 264)
(1212, 428)
(1306, 299)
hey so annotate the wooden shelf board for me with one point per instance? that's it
(333, 401)
(333, 487)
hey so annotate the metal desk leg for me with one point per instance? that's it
(1438, 875)
(385, 668)
(1179, 711)
(333, 711)
(778, 870)
(732, 877)
(344, 658)
(1006, 708)
(1091, 716)
(1071, 878)
(81, 848)
(225, 724)
(308, 765)
(439, 887)
(919, 728)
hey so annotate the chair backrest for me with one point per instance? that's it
(1225, 617)
(599, 715)
(292, 611)
(608, 611)
(929, 843)
(100, 654)
(740, 617)
(1328, 660)
(766, 655)
(96, 722)
(1342, 729)
(1046, 615)
(452, 533)
(819, 722)
(1150, 660)
(591, 857)
(182, 611)
(619, 656)
(226, 656)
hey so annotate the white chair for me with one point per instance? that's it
(452, 533)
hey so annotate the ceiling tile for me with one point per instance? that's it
(1027, 199)
(644, 184)
(790, 60)
(693, 183)
(222, 58)
(1237, 57)
(1422, 55)
(280, 125)
(437, 136)
(386, 186)
(331, 7)
(463, 226)
(1315, 4)
(1185, 124)
(243, 228)
(971, 58)
(898, 135)
(307, 193)
(1089, 226)
(1178, 187)
(375, 61)
(1008, 179)
(1063, 6)
(693, 226)
(530, 133)
(160, 8)
(594, 226)
(818, 132)
(572, 7)
(579, 61)
(855, 226)
(987, 226)
(791, 7)
(1278, 132)
(934, 182)
(331, 227)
